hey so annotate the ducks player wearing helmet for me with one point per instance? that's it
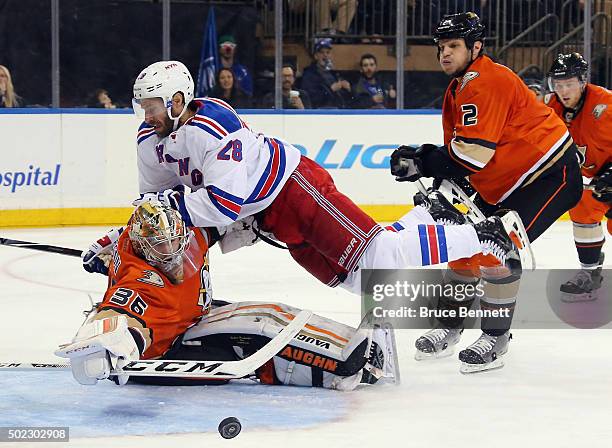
(517, 155)
(587, 112)
(158, 304)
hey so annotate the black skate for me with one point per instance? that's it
(441, 210)
(496, 241)
(584, 286)
(382, 364)
(379, 359)
(485, 354)
(437, 343)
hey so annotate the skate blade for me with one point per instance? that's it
(578, 298)
(468, 369)
(514, 227)
(394, 376)
(456, 194)
(422, 356)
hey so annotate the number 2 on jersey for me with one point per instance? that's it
(236, 147)
(470, 114)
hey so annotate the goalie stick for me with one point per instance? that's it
(41, 247)
(225, 370)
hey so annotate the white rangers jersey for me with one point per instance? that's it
(232, 171)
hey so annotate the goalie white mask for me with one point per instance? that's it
(159, 236)
(162, 80)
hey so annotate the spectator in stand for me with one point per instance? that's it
(536, 86)
(344, 10)
(371, 92)
(292, 98)
(323, 9)
(325, 86)
(8, 97)
(227, 89)
(101, 99)
(227, 56)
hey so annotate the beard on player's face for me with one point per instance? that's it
(454, 56)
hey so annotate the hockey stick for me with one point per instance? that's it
(41, 247)
(456, 193)
(511, 222)
(225, 370)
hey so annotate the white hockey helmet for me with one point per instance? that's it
(162, 80)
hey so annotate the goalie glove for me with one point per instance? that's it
(407, 162)
(174, 198)
(99, 347)
(171, 198)
(602, 185)
(98, 255)
(162, 196)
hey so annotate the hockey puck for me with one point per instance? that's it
(229, 427)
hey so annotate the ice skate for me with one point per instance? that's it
(382, 365)
(485, 354)
(437, 343)
(583, 287)
(497, 243)
(441, 210)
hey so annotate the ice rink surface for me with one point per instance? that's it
(555, 390)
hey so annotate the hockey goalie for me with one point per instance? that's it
(159, 305)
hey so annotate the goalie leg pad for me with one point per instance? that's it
(324, 354)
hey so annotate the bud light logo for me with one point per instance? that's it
(331, 156)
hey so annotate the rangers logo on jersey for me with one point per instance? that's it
(598, 110)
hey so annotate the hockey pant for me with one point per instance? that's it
(324, 353)
(333, 239)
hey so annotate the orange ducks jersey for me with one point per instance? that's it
(590, 127)
(495, 127)
(158, 309)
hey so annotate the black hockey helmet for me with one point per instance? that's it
(465, 25)
(568, 66)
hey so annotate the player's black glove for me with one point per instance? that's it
(602, 185)
(407, 162)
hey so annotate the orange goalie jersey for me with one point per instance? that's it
(591, 128)
(495, 128)
(158, 309)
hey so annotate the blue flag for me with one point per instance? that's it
(209, 58)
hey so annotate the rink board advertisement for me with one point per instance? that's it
(79, 166)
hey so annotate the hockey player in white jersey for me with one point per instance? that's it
(237, 175)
